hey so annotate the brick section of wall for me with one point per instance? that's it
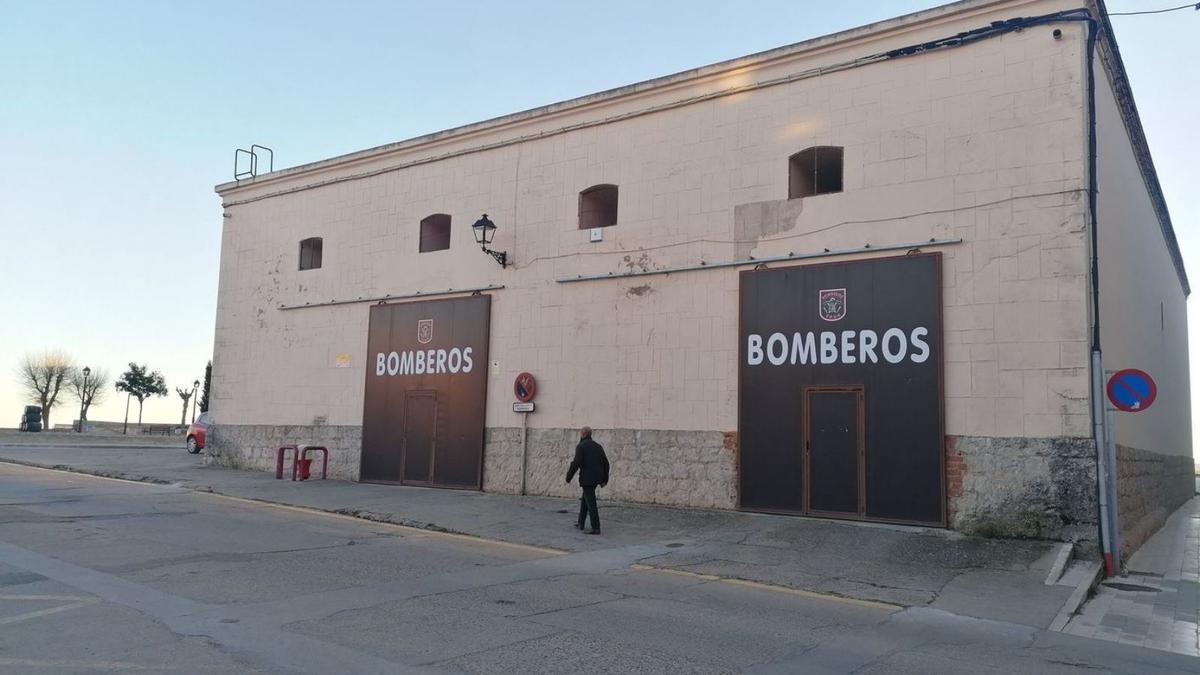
(956, 467)
(1150, 486)
(1036, 488)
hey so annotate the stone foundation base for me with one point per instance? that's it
(1035, 488)
(253, 446)
(1150, 486)
(682, 468)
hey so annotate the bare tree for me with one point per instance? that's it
(186, 395)
(43, 377)
(89, 390)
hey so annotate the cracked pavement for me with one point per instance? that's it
(128, 577)
(908, 566)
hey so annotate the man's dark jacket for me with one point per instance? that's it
(591, 463)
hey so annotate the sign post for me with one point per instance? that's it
(524, 388)
(1133, 391)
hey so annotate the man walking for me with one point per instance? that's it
(592, 465)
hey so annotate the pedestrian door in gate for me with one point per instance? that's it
(834, 451)
(420, 436)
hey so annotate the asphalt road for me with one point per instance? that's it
(100, 575)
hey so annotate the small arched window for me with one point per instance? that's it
(310, 253)
(815, 171)
(435, 233)
(598, 207)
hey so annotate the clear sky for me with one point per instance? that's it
(118, 118)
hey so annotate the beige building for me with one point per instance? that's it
(636, 221)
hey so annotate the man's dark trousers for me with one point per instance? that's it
(587, 507)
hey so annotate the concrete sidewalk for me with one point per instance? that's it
(984, 578)
(1157, 604)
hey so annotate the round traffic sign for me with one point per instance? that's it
(1132, 390)
(525, 387)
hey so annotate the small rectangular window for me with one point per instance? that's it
(815, 171)
(598, 207)
(435, 233)
(310, 253)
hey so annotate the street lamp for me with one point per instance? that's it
(195, 386)
(485, 230)
(83, 396)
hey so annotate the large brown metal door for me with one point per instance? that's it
(420, 436)
(426, 391)
(876, 324)
(833, 451)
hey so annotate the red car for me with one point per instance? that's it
(196, 432)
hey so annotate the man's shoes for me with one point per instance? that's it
(593, 531)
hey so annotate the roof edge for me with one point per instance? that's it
(865, 31)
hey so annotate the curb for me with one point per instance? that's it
(433, 528)
(1069, 608)
(111, 475)
(1073, 603)
(1065, 553)
(355, 514)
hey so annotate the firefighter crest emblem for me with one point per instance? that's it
(425, 331)
(832, 304)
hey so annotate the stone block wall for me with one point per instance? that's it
(1150, 486)
(1036, 488)
(254, 446)
(681, 468)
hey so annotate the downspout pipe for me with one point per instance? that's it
(1102, 429)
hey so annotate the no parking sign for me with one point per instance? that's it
(1132, 390)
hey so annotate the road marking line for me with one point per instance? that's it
(83, 474)
(95, 665)
(873, 604)
(682, 573)
(45, 612)
(74, 598)
(308, 511)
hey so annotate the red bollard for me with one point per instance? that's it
(324, 459)
(305, 465)
(279, 456)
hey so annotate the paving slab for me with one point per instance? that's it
(909, 566)
(1157, 603)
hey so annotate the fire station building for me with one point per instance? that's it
(877, 275)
